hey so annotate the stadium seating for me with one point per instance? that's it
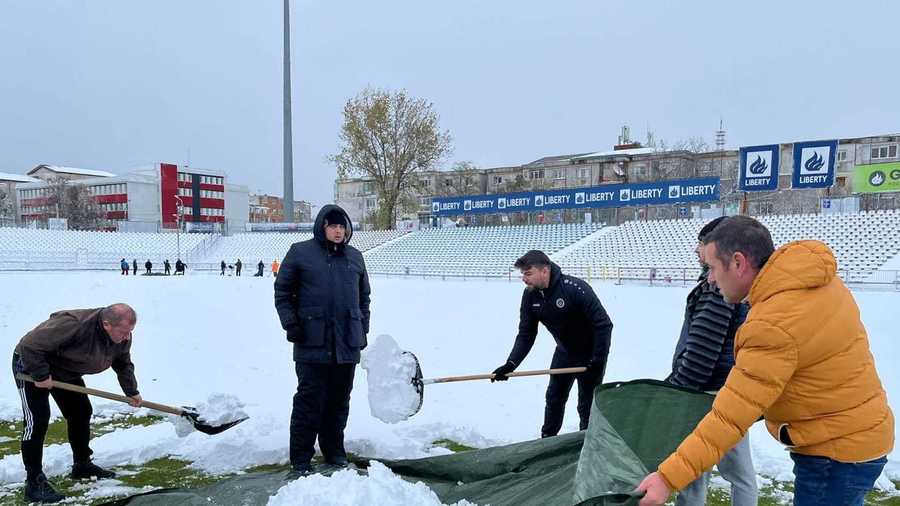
(267, 246)
(866, 244)
(474, 252)
(24, 248)
(862, 242)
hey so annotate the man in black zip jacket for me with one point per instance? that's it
(322, 298)
(703, 358)
(572, 313)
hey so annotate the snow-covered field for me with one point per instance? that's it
(202, 335)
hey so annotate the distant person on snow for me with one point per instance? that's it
(322, 298)
(69, 344)
(179, 267)
(260, 267)
(134, 267)
(149, 266)
(703, 358)
(167, 266)
(275, 266)
(124, 266)
(237, 267)
(223, 266)
(569, 309)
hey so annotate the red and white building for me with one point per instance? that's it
(155, 196)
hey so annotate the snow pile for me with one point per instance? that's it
(219, 409)
(348, 488)
(389, 371)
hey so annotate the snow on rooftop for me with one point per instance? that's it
(18, 178)
(75, 170)
(620, 152)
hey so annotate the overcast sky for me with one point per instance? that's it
(110, 84)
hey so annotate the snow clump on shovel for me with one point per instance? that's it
(218, 409)
(392, 395)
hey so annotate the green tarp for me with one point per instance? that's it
(634, 426)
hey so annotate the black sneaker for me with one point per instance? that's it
(86, 470)
(300, 470)
(40, 490)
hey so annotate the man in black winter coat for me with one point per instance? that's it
(322, 298)
(572, 313)
(703, 358)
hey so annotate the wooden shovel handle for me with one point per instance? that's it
(106, 395)
(451, 379)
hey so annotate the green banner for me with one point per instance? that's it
(879, 177)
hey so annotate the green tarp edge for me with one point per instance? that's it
(634, 426)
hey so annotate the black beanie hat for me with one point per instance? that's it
(709, 228)
(335, 217)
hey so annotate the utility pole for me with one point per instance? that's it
(288, 139)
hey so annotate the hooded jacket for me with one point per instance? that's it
(322, 297)
(802, 361)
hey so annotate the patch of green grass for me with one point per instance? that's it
(452, 445)
(771, 495)
(57, 431)
(165, 472)
(268, 468)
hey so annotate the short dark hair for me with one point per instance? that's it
(741, 234)
(534, 258)
(709, 228)
(117, 313)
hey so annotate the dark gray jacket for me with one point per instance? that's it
(704, 354)
(572, 313)
(322, 297)
(72, 343)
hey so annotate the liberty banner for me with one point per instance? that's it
(876, 178)
(759, 168)
(611, 195)
(814, 164)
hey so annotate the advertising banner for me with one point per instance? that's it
(814, 164)
(759, 168)
(611, 195)
(876, 178)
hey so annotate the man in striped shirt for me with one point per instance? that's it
(703, 358)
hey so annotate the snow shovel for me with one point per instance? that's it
(419, 382)
(188, 413)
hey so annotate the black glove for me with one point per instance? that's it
(596, 368)
(500, 373)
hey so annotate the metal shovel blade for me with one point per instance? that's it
(417, 382)
(193, 416)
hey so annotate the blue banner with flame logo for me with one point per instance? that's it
(759, 168)
(814, 164)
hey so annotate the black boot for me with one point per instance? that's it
(87, 469)
(337, 461)
(300, 470)
(38, 489)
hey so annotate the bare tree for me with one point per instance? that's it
(389, 136)
(461, 179)
(679, 160)
(74, 202)
(7, 207)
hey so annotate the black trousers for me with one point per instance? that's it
(75, 407)
(558, 394)
(321, 408)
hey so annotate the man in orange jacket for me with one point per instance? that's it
(802, 361)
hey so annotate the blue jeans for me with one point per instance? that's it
(820, 480)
